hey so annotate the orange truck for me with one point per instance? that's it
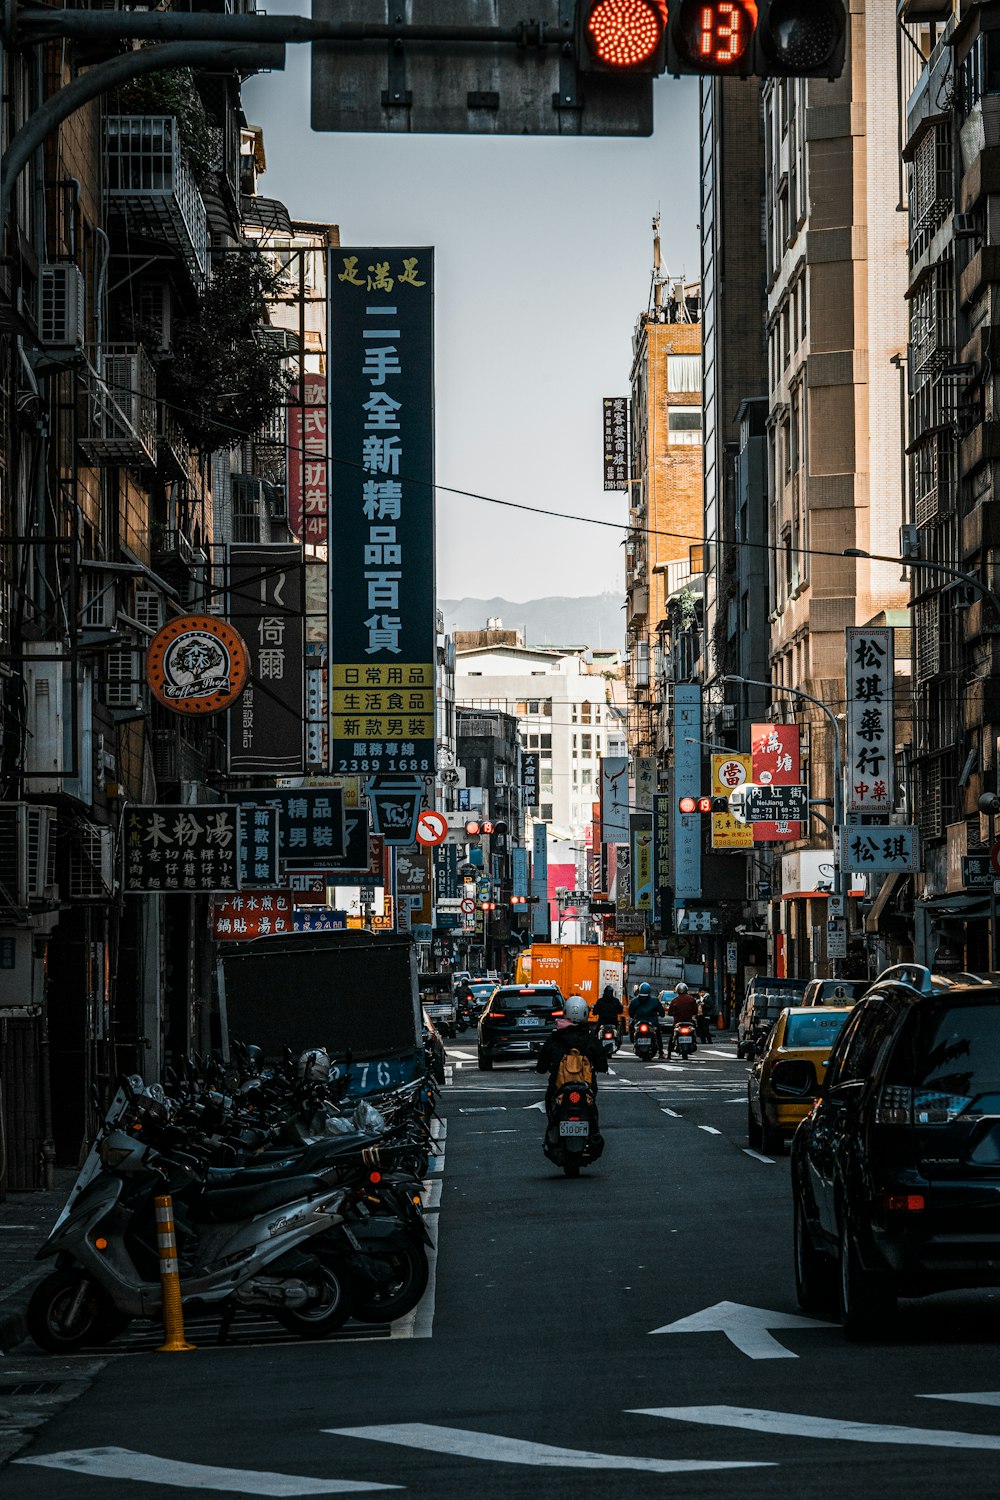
(577, 968)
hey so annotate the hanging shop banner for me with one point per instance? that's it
(687, 832)
(623, 879)
(645, 782)
(661, 850)
(774, 761)
(445, 873)
(519, 872)
(614, 799)
(259, 846)
(264, 914)
(616, 442)
(320, 919)
(641, 840)
(870, 726)
(413, 872)
(308, 470)
(266, 601)
(540, 880)
(729, 772)
(196, 665)
(529, 781)
(382, 599)
(182, 848)
(892, 847)
(312, 830)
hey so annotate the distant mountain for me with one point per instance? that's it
(595, 620)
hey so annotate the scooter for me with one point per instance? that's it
(685, 1040)
(246, 1248)
(609, 1039)
(572, 1139)
(644, 1041)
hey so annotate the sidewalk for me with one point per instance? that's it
(25, 1220)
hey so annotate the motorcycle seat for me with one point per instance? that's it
(294, 1162)
(227, 1205)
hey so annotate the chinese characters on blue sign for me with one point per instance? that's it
(182, 848)
(382, 600)
(311, 831)
(259, 846)
(890, 847)
(870, 736)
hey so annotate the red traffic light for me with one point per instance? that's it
(712, 36)
(687, 805)
(623, 35)
(473, 830)
(703, 805)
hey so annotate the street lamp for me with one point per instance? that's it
(972, 579)
(838, 779)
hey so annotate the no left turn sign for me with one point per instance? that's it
(432, 828)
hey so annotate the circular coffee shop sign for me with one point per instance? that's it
(197, 664)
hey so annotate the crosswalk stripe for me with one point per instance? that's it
(485, 1445)
(126, 1463)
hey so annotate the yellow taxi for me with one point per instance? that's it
(789, 1068)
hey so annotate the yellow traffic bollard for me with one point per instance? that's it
(173, 1313)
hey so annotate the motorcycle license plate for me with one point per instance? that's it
(574, 1127)
(529, 1020)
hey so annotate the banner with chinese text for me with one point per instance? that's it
(616, 464)
(181, 848)
(775, 762)
(308, 470)
(266, 602)
(729, 772)
(870, 728)
(263, 914)
(382, 595)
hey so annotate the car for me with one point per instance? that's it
(517, 1021)
(766, 997)
(788, 1073)
(896, 1170)
(480, 991)
(438, 999)
(836, 992)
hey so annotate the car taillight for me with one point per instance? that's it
(904, 1203)
(498, 1015)
(558, 1012)
(574, 1098)
(895, 1107)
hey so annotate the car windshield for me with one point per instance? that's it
(819, 1030)
(482, 991)
(528, 999)
(951, 1050)
(829, 991)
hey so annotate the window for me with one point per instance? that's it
(684, 372)
(585, 713)
(585, 743)
(545, 779)
(546, 742)
(586, 777)
(533, 706)
(546, 812)
(684, 424)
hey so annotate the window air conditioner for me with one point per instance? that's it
(62, 305)
(27, 838)
(91, 863)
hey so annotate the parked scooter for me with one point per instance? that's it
(572, 1139)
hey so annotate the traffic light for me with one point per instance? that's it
(621, 36)
(475, 829)
(518, 900)
(711, 36)
(702, 805)
(800, 39)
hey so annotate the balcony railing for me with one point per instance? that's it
(119, 417)
(151, 186)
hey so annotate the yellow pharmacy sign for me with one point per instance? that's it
(729, 772)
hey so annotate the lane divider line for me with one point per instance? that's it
(709, 1130)
(757, 1156)
(126, 1463)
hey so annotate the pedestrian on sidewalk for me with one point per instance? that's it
(705, 1016)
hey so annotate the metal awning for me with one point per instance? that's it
(963, 904)
(815, 895)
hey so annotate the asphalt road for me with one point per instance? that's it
(534, 1366)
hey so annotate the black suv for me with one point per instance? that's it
(896, 1172)
(517, 1021)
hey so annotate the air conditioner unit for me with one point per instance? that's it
(62, 306)
(27, 842)
(909, 540)
(727, 716)
(965, 226)
(91, 863)
(52, 761)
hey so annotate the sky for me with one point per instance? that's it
(544, 256)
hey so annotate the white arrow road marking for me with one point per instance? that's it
(465, 1056)
(538, 1104)
(709, 1129)
(790, 1424)
(668, 1067)
(503, 1450)
(746, 1327)
(125, 1463)
(671, 1112)
(757, 1156)
(974, 1398)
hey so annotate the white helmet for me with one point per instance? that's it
(577, 1009)
(681, 989)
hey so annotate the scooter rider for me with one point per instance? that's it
(683, 1007)
(574, 1034)
(608, 1009)
(646, 1007)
